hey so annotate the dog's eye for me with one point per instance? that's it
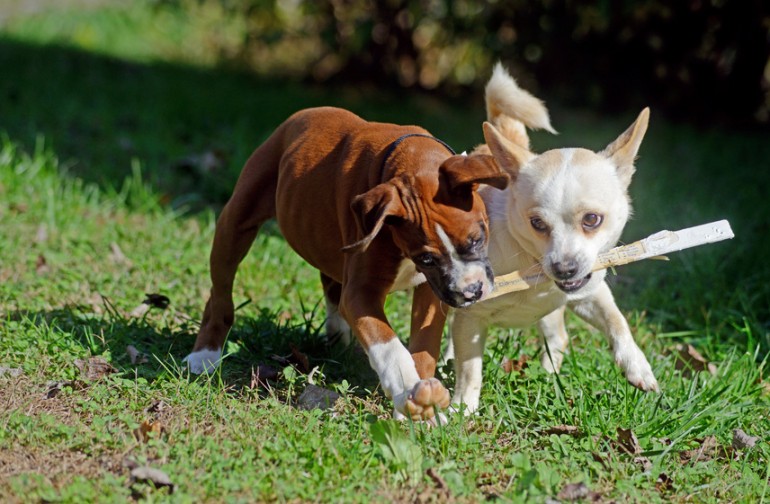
(425, 260)
(591, 221)
(538, 224)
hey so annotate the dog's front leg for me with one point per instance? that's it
(428, 318)
(555, 339)
(413, 397)
(601, 311)
(468, 336)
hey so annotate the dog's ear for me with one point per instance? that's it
(470, 171)
(371, 210)
(509, 155)
(622, 152)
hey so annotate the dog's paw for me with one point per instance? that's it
(552, 362)
(420, 403)
(203, 361)
(637, 370)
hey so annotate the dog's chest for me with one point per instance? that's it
(520, 309)
(407, 276)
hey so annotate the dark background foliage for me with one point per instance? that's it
(700, 59)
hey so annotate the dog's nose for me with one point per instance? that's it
(566, 269)
(473, 291)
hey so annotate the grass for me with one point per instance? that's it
(97, 211)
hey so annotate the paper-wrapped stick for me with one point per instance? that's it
(662, 242)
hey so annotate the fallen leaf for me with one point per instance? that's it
(689, 359)
(569, 430)
(664, 483)
(94, 368)
(708, 450)
(518, 365)
(741, 440)
(54, 387)
(644, 462)
(628, 442)
(301, 359)
(315, 397)
(157, 407)
(41, 265)
(157, 477)
(148, 427)
(573, 492)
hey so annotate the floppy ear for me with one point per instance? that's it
(371, 209)
(623, 150)
(470, 171)
(509, 155)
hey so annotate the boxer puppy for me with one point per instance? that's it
(561, 209)
(376, 208)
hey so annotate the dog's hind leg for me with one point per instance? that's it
(555, 340)
(336, 325)
(252, 203)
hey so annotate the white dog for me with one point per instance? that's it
(562, 209)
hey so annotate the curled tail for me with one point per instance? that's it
(512, 110)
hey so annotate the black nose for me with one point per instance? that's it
(565, 270)
(473, 291)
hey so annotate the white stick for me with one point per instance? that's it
(654, 245)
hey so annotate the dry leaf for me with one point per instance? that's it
(573, 492)
(157, 407)
(627, 440)
(9, 371)
(135, 355)
(41, 265)
(437, 479)
(664, 483)
(94, 368)
(518, 365)
(303, 363)
(708, 450)
(644, 462)
(149, 475)
(54, 387)
(741, 440)
(689, 359)
(142, 433)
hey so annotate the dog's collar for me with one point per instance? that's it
(395, 143)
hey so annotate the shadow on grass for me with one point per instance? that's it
(265, 343)
(191, 129)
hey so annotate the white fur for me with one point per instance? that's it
(559, 187)
(394, 365)
(464, 274)
(203, 361)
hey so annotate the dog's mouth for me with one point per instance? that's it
(570, 286)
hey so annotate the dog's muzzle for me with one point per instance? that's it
(570, 286)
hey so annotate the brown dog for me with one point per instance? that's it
(376, 208)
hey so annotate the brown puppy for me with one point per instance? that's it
(376, 208)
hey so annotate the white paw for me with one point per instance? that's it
(203, 361)
(552, 362)
(438, 419)
(423, 400)
(636, 368)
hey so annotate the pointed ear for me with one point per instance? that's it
(371, 209)
(622, 152)
(509, 155)
(470, 171)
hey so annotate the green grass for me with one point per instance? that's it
(95, 215)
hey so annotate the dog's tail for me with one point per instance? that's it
(512, 110)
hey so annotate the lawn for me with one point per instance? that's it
(120, 139)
